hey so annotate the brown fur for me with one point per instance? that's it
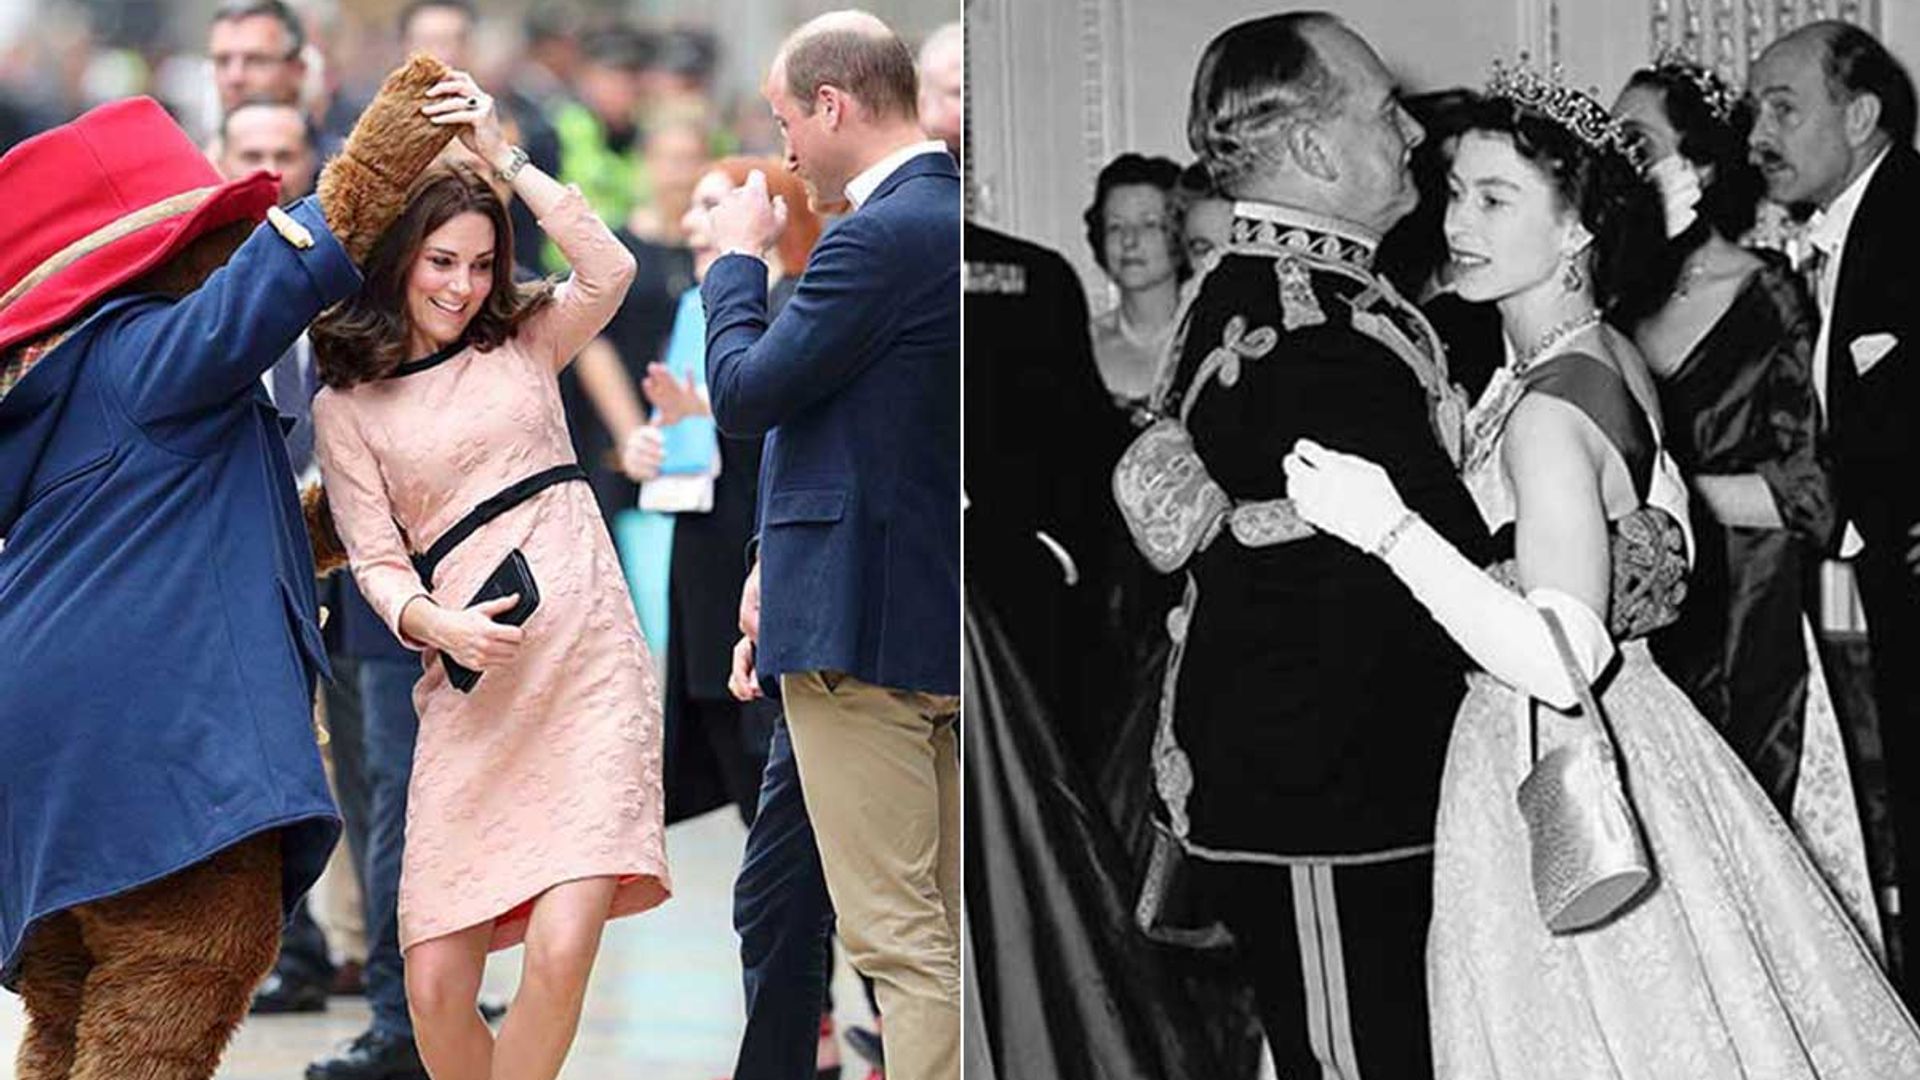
(363, 190)
(329, 552)
(150, 984)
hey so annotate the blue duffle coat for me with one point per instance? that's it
(158, 641)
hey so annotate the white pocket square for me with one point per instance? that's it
(1870, 349)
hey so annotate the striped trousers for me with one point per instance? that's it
(1336, 956)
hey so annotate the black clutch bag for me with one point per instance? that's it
(512, 576)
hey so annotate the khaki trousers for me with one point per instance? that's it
(880, 769)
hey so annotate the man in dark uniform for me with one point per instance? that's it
(1309, 696)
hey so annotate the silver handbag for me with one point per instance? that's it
(1587, 859)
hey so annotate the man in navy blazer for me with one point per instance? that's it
(856, 386)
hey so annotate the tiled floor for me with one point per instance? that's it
(664, 1002)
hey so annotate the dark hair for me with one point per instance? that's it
(364, 337)
(1614, 202)
(1856, 63)
(1194, 185)
(876, 69)
(550, 22)
(415, 7)
(688, 52)
(1254, 81)
(307, 131)
(617, 46)
(1416, 246)
(1130, 169)
(233, 10)
(1728, 203)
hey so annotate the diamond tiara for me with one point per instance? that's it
(1718, 95)
(1578, 112)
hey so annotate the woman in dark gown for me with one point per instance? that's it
(1730, 336)
(1066, 987)
(1729, 333)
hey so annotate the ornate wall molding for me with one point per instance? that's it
(1095, 85)
(1728, 35)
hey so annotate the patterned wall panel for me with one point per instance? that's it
(1728, 35)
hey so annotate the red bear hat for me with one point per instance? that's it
(91, 205)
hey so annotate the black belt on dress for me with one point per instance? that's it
(492, 507)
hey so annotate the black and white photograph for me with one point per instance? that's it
(1442, 546)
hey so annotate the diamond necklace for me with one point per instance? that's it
(1554, 338)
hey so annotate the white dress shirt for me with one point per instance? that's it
(862, 187)
(1827, 232)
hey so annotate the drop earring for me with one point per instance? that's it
(1571, 278)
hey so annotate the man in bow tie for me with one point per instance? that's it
(1835, 129)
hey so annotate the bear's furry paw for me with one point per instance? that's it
(364, 189)
(329, 553)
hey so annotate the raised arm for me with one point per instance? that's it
(213, 344)
(603, 268)
(602, 265)
(842, 315)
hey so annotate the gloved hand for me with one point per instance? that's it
(1679, 185)
(1348, 496)
(1353, 498)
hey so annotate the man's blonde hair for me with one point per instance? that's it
(857, 53)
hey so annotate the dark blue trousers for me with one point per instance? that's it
(386, 701)
(372, 765)
(785, 921)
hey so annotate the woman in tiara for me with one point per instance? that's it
(1734, 960)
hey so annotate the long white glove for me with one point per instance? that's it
(1354, 499)
(1679, 185)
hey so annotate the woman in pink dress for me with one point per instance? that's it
(534, 812)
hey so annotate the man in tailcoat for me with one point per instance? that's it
(1834, 129)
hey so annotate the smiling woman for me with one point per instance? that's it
(441, 424)
(443, 272)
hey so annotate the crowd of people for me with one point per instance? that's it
(567, 367)
(1451, 479)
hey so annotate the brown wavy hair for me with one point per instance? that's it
(364, 337)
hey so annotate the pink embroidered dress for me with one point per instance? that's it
(549, 771)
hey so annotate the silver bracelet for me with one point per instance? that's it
(1394, 534)
(516, 161)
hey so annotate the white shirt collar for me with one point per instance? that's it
(1828, 229)
(862, 187)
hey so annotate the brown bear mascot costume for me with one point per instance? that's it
(162, 804)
